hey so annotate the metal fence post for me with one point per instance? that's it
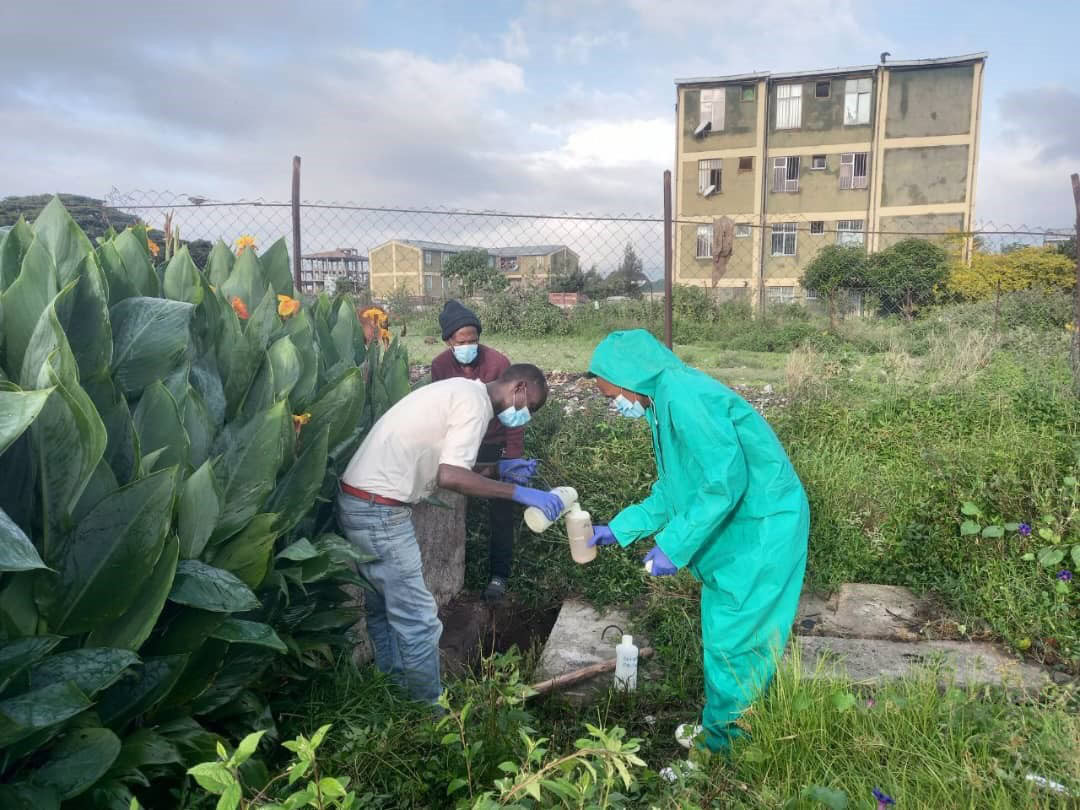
(296, 221)
(667, 258)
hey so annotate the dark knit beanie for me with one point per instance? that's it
(456, 315)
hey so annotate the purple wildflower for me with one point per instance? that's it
(1024, 529)
(883, 799)
(1065, 575)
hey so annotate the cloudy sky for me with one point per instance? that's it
(520, 105)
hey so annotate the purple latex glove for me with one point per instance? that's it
(662, 566)
(547, 502)
(517, 470)
(602, 536)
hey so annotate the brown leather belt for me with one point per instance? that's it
(370, 497)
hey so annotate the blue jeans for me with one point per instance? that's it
(402, 617)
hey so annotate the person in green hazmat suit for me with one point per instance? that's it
(727, 505)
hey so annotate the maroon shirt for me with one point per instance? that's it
(487, 367)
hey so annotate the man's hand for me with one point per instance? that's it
(517, 470)
(547, 502)
(602, 536)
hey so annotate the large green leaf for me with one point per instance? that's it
(303, 338)
(122, 450)
(79, 760)
(182, 279)
(238, 631)
(150, 338)
(200, 506)
(17, 410)
(132, 629)
(205, 379)
(25, 300)
(246, 281)
(135, 255)
(12, 250)
(248, 468)
(24, 714)
(101, 483)
(68, 441)
(117, 544)
(275, 264)
(208, 588)
(17, 553)
(344, 329)
(19, 614)
(17, 655)
(158, 423)
(145, 747)
(198, 427)
(263, 322)
(85, 317)
(48, 340)
(285, 360)
(237, 361)
(248, 553)
(295, 493)
(260, 395)
(204, 665)
(63, 238)
(106, 794)
(337, 409)
(219, 264)
(152, 683)
(24, 796)
(120, 286)
(91, 669)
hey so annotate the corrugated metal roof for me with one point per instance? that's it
(900, 63)
(526, 250)
(440, 246)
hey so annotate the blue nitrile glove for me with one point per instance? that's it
(547, 502)
(517, 470)
(662, 566)
(602, 536)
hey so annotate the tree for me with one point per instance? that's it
(630, 275)
(90, 214)
(835, 269)
(908, 275)
(475, 271)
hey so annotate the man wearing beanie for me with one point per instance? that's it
(466, 357)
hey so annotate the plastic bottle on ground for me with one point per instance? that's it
(626, 659)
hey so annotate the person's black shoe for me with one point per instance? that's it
(495, 590)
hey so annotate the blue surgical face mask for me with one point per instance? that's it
(465, 353)
(631, 410)
(514, 417)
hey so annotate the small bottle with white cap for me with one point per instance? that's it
(626, 658)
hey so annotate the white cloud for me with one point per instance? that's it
(578, 48)
(514, 45)
(630, 144)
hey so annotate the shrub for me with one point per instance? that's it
(169, 452)
(832, 272)
(906, 276)
(1020, 269)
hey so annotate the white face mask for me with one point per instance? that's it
(631, 410)
(465, 353)
(514, 417)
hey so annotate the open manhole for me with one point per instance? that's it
(474, 629)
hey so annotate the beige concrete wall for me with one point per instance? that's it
(691, 270)
(928, 102)
(395, 265)
(923, 226)
(740, 120)
(925, 175)
(822, 118)
(819, 190)
(736, 195)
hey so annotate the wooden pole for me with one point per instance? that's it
(667, 258)
(1074, 349)
(296, 221)
(582, 674)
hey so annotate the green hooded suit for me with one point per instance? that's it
(728, 505)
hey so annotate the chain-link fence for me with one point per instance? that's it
(383, 252)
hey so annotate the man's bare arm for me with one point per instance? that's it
(458, 479)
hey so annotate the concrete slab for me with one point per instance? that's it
(863, 611)
(575, 643)
(871, 661)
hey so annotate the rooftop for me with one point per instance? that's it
(340, 253)
(526, 250)
(898, 63)
(440, 246)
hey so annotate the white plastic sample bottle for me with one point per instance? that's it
(579, 530)
(626, 656)
(538, 522)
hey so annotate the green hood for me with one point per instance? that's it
(633, 360)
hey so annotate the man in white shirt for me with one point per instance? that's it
(428, 439)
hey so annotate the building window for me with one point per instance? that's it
(711, 109)
(709, 177)
(817, 227)
(746, 164)
(818, 162)
(429, 281)
(822, 89)
(784, 235)
(427, 257)
(704, 241)
(789, 106)
(853, 169)
(857, 101)
(786, 174)
(749, 92)
(491, 261)
(780, 295)
(850, 232)
(508, 264)
(742, 230)
(811, 295)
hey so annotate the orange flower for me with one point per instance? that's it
(239, 307)
(154, 249)
(287, 307)
(299, 420)
(244, 242)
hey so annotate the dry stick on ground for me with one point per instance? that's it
(560, 681)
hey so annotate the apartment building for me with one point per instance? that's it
(344, 267)
(859, 155)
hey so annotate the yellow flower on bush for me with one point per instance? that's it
(243, 243)
(287, 307)
(1070, 327)
(299, 420)
(239, 307)
(153, 246)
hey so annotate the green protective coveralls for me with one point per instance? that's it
(728, 505)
